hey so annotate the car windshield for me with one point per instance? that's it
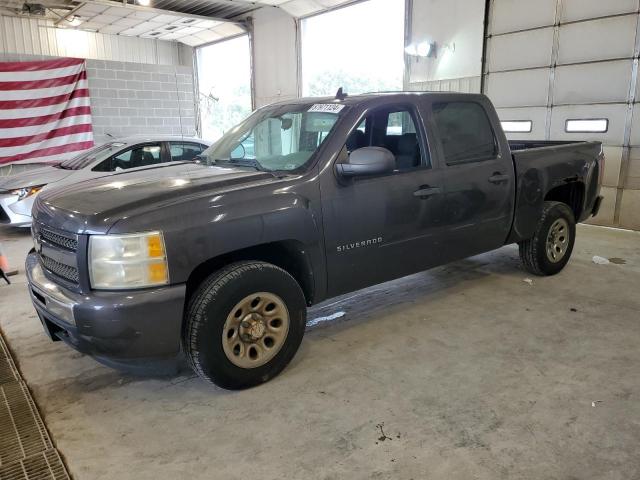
(276, 138)
(86, 158)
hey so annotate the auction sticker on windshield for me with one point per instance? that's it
(326, 107)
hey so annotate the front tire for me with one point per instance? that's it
(549, 250)
(244, 324)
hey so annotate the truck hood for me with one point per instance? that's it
(94, 206)
(34, 178)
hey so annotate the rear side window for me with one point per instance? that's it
(184, 151)
(465, 132)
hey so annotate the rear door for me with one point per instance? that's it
(478, 178)
(385, 226)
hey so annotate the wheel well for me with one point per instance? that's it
(289, 255)
(570, 193)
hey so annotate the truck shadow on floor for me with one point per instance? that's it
(370, 304)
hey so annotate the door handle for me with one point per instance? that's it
(425, 191)
(498, 177)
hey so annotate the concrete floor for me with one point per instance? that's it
(462, 372)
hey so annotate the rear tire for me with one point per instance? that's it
(549, 250)
(244, 324)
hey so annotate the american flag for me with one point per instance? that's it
(44, 110)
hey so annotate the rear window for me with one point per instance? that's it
(465, 132)
(89, 156)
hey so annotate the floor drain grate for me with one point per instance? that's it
(23, 433)
(8, 370)
(26, 451)
(46, 465)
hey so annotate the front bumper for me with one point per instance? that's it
(14, 212)
(130, 329)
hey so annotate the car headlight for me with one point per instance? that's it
(23, 193)
(127, 261)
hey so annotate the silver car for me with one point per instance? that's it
(17, 192)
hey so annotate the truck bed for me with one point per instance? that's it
(516, 145)
(553, 166)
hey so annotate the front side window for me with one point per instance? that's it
(394, 130)
(140, 156)
(465, 132)
(281, 137)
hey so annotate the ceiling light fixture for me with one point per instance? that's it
(422, 49)
(143, 3)
(74, 21)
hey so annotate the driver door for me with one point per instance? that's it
(382, 227)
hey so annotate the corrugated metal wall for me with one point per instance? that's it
(40, 37)
(553, 60)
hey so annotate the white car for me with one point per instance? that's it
(17, 192)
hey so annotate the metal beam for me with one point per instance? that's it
(64, 17)
(110, 3)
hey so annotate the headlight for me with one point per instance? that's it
(127, 261)
(23, 193)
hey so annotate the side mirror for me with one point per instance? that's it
(367, 161)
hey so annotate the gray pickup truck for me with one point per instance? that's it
(303, 201)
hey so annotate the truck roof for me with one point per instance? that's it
(362, 98)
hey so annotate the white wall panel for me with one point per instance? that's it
(513, 15)
(275, 56)
(601, 39)
(528, 49)
(448, 23)
(39, 37)
(630, 209)
(464, 85)
(633, 170)
(592, 82)
(537, 115)
(612, 164)
(635, 126)
(614, 112)
(582, 9)
(519, 88)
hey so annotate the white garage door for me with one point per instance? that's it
(555, 63)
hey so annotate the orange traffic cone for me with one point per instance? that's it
(5, 271)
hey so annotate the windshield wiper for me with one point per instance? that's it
(243, 162)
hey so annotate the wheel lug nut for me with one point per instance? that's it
(245, 324)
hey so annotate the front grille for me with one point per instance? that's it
(68, 242)
(60, 269)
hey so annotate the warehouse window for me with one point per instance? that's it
(517, 126)
(588, 125)
(359, 48)
(224, 82)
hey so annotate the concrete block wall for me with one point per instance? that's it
(136, 98)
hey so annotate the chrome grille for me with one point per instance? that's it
(65, 271)
(68, 242)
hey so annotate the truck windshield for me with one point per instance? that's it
(86, 158)
(281, 137)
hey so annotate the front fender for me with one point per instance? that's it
(201, 229)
